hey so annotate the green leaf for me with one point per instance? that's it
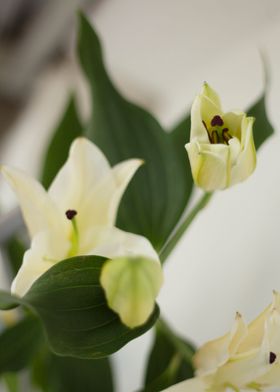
(159, 192)
(14, 250)
(69, 128)
(72, 305)
(9, 301)
(19, 343)
(262, 127)
(59, 374)
(170, 360)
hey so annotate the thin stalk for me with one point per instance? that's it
(175, 238)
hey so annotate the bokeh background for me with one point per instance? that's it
(159, 52)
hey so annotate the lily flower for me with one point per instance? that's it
(247, 358)
(221, 148)
(77, 216)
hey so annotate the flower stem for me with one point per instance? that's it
(185, 351)
(175, 238)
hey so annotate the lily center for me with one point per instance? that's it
(217, 131)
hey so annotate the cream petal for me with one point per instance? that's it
(100, 206)
(131, 286)
(192, 385)
(211, 94)
(38, 210)
(217, 352)
(47, 248)
(85, 167)
(198, 130)
(244, 369)
(271, 378)
(210, 165)
(112, 243)
(246, 161)
(233, 121)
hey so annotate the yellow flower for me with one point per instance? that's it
(247, 358)
(221, 148)
(77, 217)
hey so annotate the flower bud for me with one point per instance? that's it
(221, 148)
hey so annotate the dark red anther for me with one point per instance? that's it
(217, 121)
(70, 214)
(272, 357)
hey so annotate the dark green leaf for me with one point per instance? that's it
(8, 301)
(159, 192)
(169, 361)
(14, 250)
(262, 126)
(19, 343)
(73, 308)
(68, 129)
(59, 374)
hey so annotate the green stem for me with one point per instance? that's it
(185, 351)
(172, 242)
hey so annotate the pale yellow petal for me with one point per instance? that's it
(198, 130)
(233, 121)
(246, 161)
(244, 369)
(112, 243)
(191, 385)
(47, 248)
(131, 286)
(217, 352)
(210, 165)
(100, 205)
(211, 94)
(85, 167)
(38, 210)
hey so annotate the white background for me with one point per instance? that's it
(159, 52)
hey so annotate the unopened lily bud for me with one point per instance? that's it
(221, 148)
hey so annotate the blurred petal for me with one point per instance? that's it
(217, 352)
(131, 286)
(39, 212)
(191, 385)
(46, 250)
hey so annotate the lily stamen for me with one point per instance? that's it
(226, 135)
(215, 137)
(70, 214)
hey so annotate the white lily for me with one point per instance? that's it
(247, 358)
(77, 216)
(221, 148)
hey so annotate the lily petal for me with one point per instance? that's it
(39, 212)
(101, 204)
(209, 164)
(217, 352)
(246, 162)
(47, 248)
(191, 385)
(85, 167)
(211, 94)
(112, 242)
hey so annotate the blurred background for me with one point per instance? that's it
(159, 52)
